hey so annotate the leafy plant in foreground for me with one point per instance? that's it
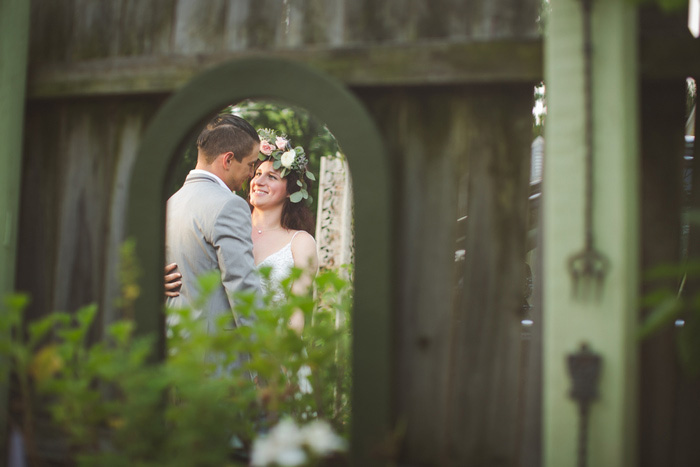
(207, 401)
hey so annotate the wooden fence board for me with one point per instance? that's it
(73, 155)
(76, 30)
(146, 28)
(50, 30)
(437, 64)
(199, 26)
(462, 151)
(484, 411)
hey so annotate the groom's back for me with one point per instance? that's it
(198, 215)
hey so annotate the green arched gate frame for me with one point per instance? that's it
(328, 100)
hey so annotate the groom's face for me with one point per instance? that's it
(243, 170)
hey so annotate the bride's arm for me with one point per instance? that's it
(305, 258)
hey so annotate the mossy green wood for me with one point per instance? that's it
(606, 322)
(14, 48)
(347, 119)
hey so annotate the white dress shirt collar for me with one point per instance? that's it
(210, 175)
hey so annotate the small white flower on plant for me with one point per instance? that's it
(285, 443)
(319, 436)
(287, 158)
(282, 446)
(281, 143)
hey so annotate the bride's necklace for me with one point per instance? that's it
(260, 231)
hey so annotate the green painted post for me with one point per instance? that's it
(14, 46)
(607, 323)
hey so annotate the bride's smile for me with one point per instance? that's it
(268, 188)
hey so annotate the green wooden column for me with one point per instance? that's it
(605, 323)
(14, 45)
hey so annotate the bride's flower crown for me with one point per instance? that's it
(286, 159)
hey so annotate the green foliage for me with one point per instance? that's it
(205, 404)
(667, 304)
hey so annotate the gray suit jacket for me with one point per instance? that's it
(208, 228)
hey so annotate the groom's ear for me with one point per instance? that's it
(227, 159)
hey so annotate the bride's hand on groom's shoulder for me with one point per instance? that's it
(172, 281)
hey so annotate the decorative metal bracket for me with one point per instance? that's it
(588, 264)
(584, 368)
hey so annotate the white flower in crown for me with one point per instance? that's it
(287, 158)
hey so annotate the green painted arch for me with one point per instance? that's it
(331, 102)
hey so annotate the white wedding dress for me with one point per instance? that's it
(282, 262)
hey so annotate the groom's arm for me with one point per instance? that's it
(234, 248)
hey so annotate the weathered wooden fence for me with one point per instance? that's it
(449, 85)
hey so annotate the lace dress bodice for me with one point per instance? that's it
(281, 262)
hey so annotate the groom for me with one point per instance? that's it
(208, 227)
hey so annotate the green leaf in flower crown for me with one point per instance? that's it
(262, 157)
(296, 197)
(310, 176)
(284, 172)
(305, 194)
(299, 150)
(276, 165)
(299, 183)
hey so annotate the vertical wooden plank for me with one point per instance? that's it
(319, 19)
(458, 151)
(662, 120)
(73, 182)
(95, 30)
(687, 407)
(199, 26)
(416, 127)
(238, 25)
(669, 403)
(39, 204)
(267, 18)
(145, 28)
(52, 23)
(530, 439)
(385, 20)
(409, 21)
(484, 402)
(333, 17)
(606, 322)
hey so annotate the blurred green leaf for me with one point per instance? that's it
(663, 314)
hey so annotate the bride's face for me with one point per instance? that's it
(267, 188)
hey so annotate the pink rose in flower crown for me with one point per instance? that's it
(281, 143)
(266, 148)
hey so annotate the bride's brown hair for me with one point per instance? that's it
(297, 216)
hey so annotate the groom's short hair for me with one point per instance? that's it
(226, 133)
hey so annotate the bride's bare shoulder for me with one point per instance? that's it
(304, 248)
(303, 237)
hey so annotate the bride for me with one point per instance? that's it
(281, 218)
